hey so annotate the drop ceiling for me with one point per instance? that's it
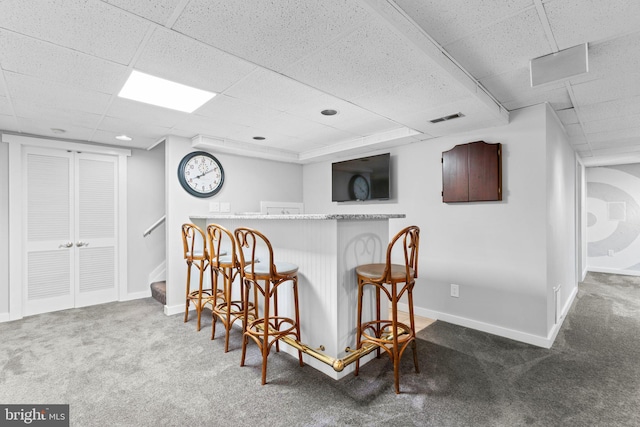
(387, 67)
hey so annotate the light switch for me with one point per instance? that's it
(214, 206)
(225, 207)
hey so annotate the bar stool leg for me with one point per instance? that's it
(199, 306)
(414, 346)
(297, 313)
(378, 330)
(275, 314)
(359, 324)
(186, 310)
(227, 295)
(265, 331)
(394, 327)
(245, 322)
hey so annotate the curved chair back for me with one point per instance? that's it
(253, 247)
(409, 239)
(222, 246)
(194, 243)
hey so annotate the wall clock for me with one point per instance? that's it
(359, 187)
(200, 174)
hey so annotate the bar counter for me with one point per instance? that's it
(326, 248)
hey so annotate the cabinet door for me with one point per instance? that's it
(484, 172)
(455, 174)
(49, 259)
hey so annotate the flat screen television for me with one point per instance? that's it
(366, 178)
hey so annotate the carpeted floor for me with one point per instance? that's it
(126, 364)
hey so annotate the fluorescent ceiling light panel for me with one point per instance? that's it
(164, 93)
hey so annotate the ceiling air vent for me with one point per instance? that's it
(445, 118)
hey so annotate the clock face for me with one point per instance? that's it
(359, 187)
(201, 174)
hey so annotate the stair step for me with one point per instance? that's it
(159, 292)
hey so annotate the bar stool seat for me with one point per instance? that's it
(266, 278)
(394, 281)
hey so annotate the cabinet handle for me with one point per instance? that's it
(81, 243)
(65, 245)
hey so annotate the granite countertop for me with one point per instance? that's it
(258, 215)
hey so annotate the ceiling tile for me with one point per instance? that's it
(43, 126)
(272, 90)
(350, 117)
(578, 21)
(57, 117)
(609, 89)
(145, 113)
(155, 10)
(448, 21)
(237, 111)
(89, 26)
(558, 99)
(49, 62)
(367, 60)
(8, 123)
(131, 127)
(504, 46)
(33, 91)
(421, 93)
(175, 57)
(195, 124)
(568, 116)
(613, 135)
(613, 124)
(105, 137)
(5, 106)
(616, 143)
(272, 34)
(610, 109)
(574, 130)
(516, 85)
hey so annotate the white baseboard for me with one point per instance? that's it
(614, 271)
(136, 295)
(565, 309)
(4, 317)
(537, 340)
(175, 309)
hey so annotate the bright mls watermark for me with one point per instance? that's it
(34, 415)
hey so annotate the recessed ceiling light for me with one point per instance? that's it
(164, 93)
(123, 138)
(329, 112)
(57, 130)
(259, 138)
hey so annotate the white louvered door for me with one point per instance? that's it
(50, 261)
(95, 231)
(70, 230)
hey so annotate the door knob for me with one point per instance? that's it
(66, 245)
(81, 243)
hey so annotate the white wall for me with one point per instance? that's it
(495, 251)
(561, 217)
(145, 205)
(247, 182)
(4, 230)
(613, 240)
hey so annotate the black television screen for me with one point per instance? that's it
(366, 178)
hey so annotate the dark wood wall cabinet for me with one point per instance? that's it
(472, 173)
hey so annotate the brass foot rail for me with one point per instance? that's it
(337, 364)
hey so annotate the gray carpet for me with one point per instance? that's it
(126, 364)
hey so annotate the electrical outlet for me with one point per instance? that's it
(455, 291)
(214, 206)
(610, 252)
(225, 207)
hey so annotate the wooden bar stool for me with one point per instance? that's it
(265, 277)
(224, 262)
(394, 280)
(196, 254)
